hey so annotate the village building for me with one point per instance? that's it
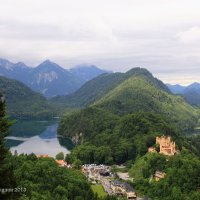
(42, 156)
(61, 163)
(94, 172)
(131, 195)
(159, 175)
(123, 189)
(167, 146)
(124, 176)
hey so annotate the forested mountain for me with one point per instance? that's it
(182, 176)
(122, 120)
(190, 93)
(136, 90)
(139, 94)
(49, 78)
(96, 88)
(27, 177)
(139, 98)
(22, 102)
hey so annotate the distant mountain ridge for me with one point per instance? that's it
(191, 93)
(176, 89)
(49, 78)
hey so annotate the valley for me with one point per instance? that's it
(99, 100)
(113, 119)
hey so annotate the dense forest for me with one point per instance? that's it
(23, 103)
(96, 88)
(26, 177)
(43, 179)
(126, 140)
(134, 91)
(182, 179)
(109, 139)
(123, 123)
(119, 125)
(6, 169)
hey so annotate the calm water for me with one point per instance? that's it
(38, 137)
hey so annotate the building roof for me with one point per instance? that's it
(42, 156)
(124, 185)
(131, 194)
(160, 174)
(60, 162)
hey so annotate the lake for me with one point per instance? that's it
(38, 137)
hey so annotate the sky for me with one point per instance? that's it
(160, 35)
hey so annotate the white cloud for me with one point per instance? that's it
(192, 35)
(116, 34)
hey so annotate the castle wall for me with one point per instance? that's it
(167, 146)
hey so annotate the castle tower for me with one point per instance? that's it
(167, 146)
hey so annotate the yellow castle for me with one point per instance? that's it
(167, 146)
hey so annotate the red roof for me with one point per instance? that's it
(60, 162)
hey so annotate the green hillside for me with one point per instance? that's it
(122, 124)
(181, 181)
(96, 88)
(138, 93)
(22, 102)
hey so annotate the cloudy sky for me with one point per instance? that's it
(160, 35)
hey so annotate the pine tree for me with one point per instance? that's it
(6, 171)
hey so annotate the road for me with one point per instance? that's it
(106, 185)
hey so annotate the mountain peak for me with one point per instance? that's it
(87, 71)
(139, 71)
(47, 61)
(176, 89)
(142, 72)
(49, 65)
(3, 60)
(89, 67)
(195, 84)
(6, 64)
(20, 65)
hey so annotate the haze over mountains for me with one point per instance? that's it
(191, 93)
(83, 84)
(49, 78)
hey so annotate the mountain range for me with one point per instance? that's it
(96, 88)
(121, 116)
(119, 94)
(49, 78)
(87, 85)
(191, 93)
